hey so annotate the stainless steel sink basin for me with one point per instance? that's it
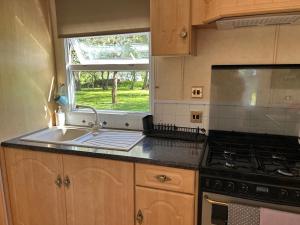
(57, 135)
(78, 136)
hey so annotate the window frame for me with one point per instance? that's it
(70, 68)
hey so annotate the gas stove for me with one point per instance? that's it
(253, 166)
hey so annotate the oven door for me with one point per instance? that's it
(213, 212)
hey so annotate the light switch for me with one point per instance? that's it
(197, 92)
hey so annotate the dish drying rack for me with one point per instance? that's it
(172, 131)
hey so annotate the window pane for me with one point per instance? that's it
(113, 90)
(110, 49)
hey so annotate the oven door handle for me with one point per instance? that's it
(214, 202)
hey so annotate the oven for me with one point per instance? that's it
(214, 207)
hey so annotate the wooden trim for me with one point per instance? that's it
(196, 216)
(111, 67)
(3, 213)
(5, 186)
(141, 30)
(218, 9)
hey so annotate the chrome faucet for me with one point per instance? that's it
(97, 125)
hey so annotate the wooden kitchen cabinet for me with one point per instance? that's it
(158, 207)
(89, 191)
(166, 178)
(165, 196)
(217, 9)
(2, 204)
(99, 191)
(35, 199)
(56, 189)
(171, 29)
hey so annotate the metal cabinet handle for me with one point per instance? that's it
(183, 34)
(58, 181)
(140, 217)
(67, 182)
(162, 178)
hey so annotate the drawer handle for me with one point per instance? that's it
(58, 181)
(140, 217)
(162, 178)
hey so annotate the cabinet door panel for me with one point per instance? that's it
(35, 198)
(169, 18)
(101, 192)
(216, 9)
(164, 208)
(2, 206)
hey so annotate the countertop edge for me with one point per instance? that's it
(57, 149)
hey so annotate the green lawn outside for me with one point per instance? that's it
(127, 100)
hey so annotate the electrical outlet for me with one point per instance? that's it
(197, 92)
(196, 117)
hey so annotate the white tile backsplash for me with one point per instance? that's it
(130, 121)
(272, 120)
(179, 114)
(182, 109)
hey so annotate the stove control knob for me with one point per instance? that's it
(297, 194)
(283, 193)
(229, 187)
(244, 188)
(218, 185)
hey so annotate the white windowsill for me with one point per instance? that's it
(113, 119)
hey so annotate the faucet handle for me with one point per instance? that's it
(91, 124)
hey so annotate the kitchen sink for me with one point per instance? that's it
(78, 136)
(57, 135)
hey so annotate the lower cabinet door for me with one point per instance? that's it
(157, 207)
(2, 203)
(36, 194)
(98, 191)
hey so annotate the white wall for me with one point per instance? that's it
(27, 68)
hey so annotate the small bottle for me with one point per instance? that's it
(60, 117)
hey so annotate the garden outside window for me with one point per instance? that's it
(110, 72)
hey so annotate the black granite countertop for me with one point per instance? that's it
(157, 151)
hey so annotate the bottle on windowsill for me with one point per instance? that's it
(60, 117)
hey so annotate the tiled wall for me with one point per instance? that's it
(178, 113)
(176, 75)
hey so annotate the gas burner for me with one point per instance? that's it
(254, 154)
(230, 165)
(227, 152)
(279, 157)
(296, 172)
(229, 156)
(285, 173)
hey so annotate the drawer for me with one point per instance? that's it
(166, 178)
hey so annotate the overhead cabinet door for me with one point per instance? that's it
(217, 9)
(170, 24)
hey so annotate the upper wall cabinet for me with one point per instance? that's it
(210, 10)
(171, 29)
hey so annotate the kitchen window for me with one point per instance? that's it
(110, 72)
